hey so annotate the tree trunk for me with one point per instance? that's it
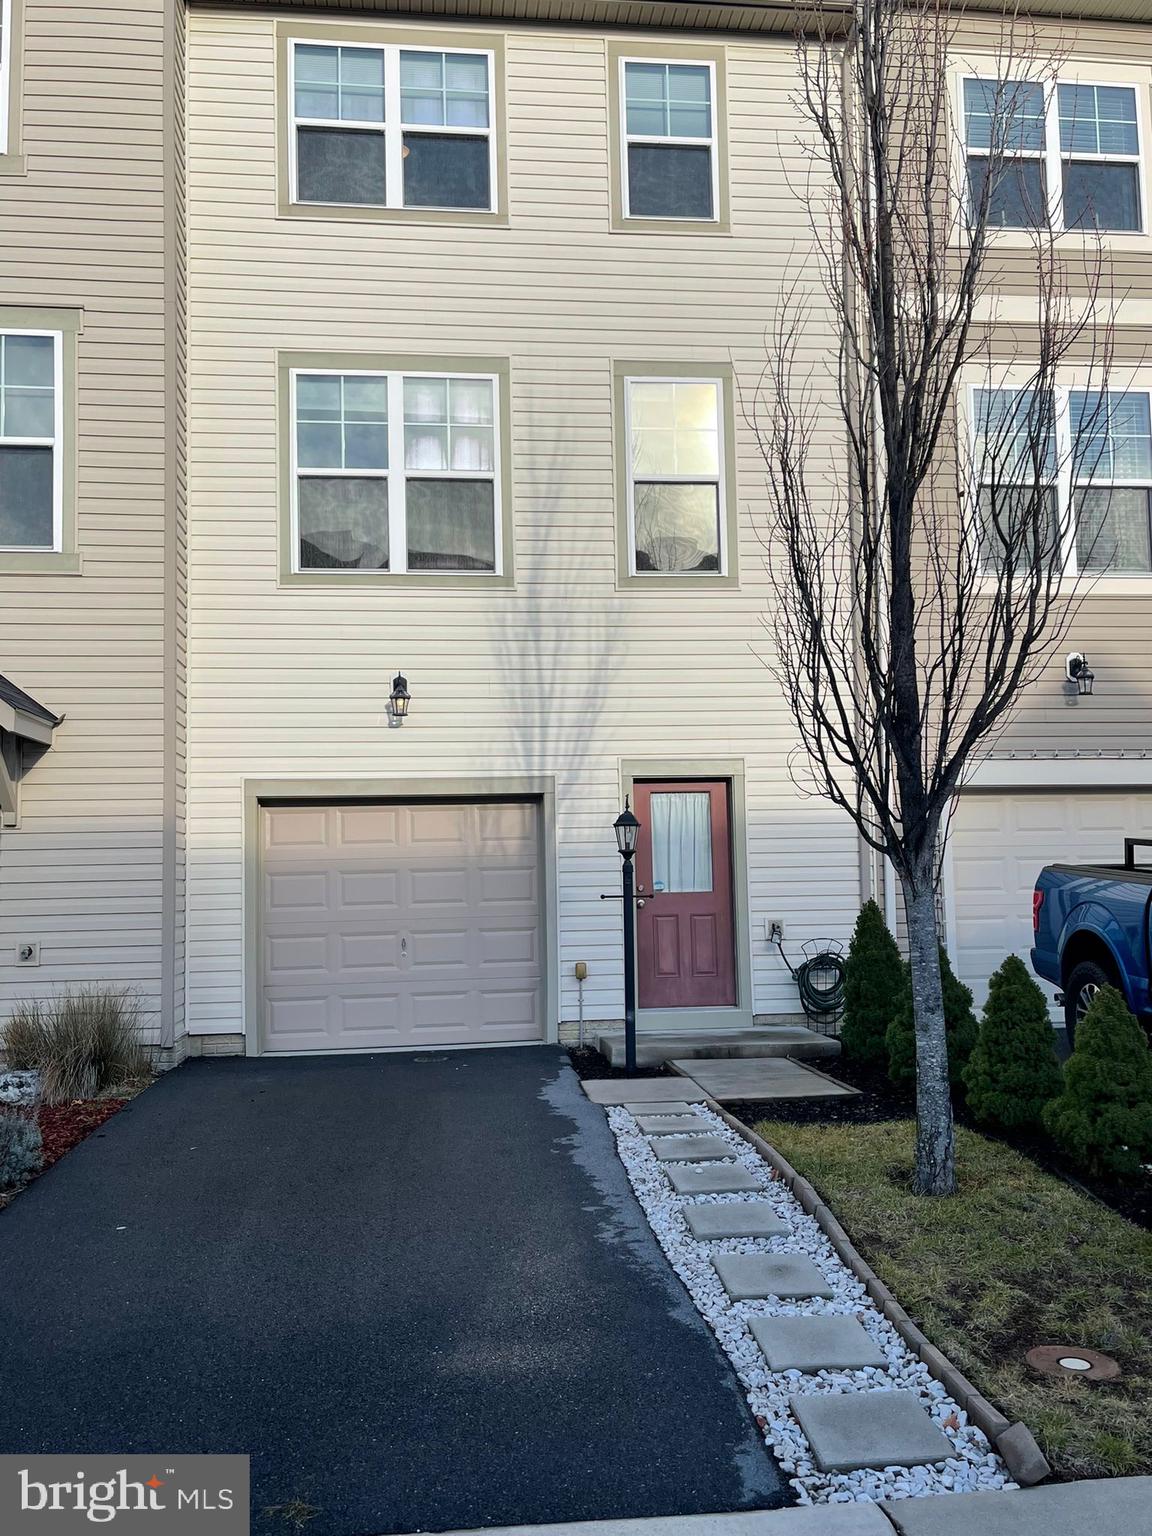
(935, 1142)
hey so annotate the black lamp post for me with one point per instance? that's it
(627, 831)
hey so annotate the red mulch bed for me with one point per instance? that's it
(63, 1125)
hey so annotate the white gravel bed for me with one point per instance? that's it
(973, 1467)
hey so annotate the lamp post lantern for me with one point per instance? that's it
(627, 830)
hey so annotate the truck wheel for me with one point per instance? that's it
(1084, 982)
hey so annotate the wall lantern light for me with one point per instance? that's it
(399, 699)
(1077, 670)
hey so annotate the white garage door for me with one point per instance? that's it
(387, 926)
(1001, 842)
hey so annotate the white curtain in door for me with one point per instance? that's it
(681, 840)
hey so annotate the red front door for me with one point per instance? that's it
(685, 951)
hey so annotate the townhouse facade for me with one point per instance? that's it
(351, 343)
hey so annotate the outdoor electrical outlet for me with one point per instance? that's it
(775, 931)
(28, 952)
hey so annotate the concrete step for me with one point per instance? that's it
(734, 1218)
(765, 1040)
(732, 1079)
(1121, 1506)
(690, 1149)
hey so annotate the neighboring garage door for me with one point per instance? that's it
(1000, 843)
(401, 925)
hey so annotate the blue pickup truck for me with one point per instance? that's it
(1093, 928)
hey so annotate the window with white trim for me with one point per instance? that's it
(1066, 156)
(1112, 480)
(396, 472)
(30, 440)
(674, 429)
(1090, 452)
(392, 127)
(669, 139)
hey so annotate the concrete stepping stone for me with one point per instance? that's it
(690, 1149)
(675, 1109)
(847, 1430)
(737, 1218)
(642, 1092)
(710, 1178)
(673, 1125)
(752, 1276)
(815, 1343)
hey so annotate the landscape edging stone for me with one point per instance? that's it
(1022, 1455)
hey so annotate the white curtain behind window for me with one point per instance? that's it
(681, 841)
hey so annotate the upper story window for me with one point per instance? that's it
(396, 472)
(1090, 454)
(676, 496)
(1067, 157)
(383, 126)
(30, 441)
(670, 140)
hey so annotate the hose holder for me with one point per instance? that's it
(819, 979)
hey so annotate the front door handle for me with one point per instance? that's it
(640, 903)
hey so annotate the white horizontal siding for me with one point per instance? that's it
(563, 676)
(85, 229)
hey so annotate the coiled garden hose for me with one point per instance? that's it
(819, 980)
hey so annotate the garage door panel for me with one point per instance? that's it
(387, 926)
(1000, 842)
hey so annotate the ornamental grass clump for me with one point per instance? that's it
(21, 1149)
(1103, 1118)
(873, 982)
(1013, 1071)
(82, 1042)
(959, 1026)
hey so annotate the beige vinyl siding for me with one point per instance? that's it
(84, 228)
(564, 675)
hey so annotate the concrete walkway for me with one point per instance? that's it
(417, 1290)
(1116, 1506)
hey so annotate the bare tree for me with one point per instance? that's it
(916, 597)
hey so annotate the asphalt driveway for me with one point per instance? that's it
(415, 1289)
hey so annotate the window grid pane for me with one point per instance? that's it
(341, 422)
(675, 428)
(449, 426)
(1015, 436)
(27, 387)
(339, 84)
(440, 90)
(668, 100)
(1098, 120)
(1004, 115)
(1111, 435)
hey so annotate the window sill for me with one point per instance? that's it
(469, 217)
(40, 562)
(396, 581)
(688, 583)
(1075, 239)
(639, 226)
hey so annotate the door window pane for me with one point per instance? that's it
(677, 528)
(336, 165)
(26, 512)
(1101, 195)
(343, 523)
(451, 525)
(681, 840)
(1114, 531)
(670, 181)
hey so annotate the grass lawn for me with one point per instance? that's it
(1017, 1258)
